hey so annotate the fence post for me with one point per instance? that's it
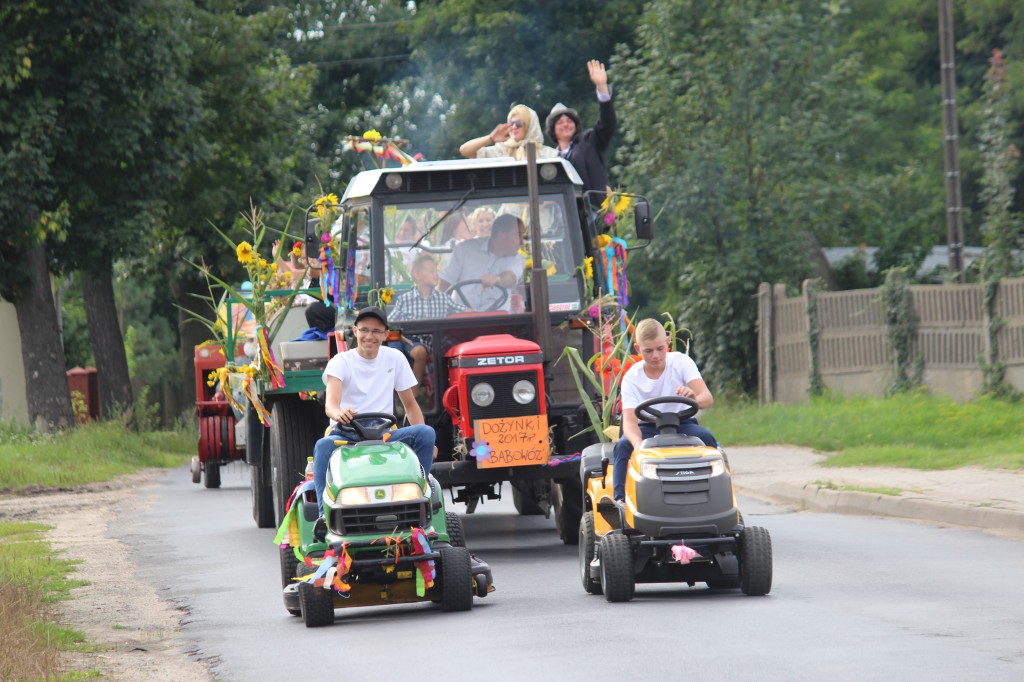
(765, 343)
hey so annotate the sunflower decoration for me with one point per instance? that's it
(615, 208)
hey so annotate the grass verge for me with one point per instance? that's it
(915, 430)
(87, 454)
(32, 576)
(32, 579)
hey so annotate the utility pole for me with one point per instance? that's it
(954, 212)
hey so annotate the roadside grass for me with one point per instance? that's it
(875, 490)
(914, 430)
(32, 576)
(32, 579)
(87, 454)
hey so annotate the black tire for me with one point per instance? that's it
(755, 555)
(211, 475)
(617, 579)
(456, 579)
(196, 469)
(587, 542)
(455, 535)
(567, 499)
(262, 491)
(525, 498)
(296, 425)
(289, 565)
(316, 603)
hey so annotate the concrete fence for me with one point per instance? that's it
(853, 353)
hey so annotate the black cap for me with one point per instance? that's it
(373, 311)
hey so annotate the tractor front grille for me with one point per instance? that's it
(376, 519)
(504, 404)
(684, 482)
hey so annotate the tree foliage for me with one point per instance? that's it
(738, 117)
(484, 56)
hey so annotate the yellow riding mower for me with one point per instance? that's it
(679, 521)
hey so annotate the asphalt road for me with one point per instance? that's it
(853, 598)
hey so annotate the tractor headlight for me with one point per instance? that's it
(524, 392)
(482, 394)
(379, 494)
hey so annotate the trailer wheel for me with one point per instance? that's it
(617, 579)
(260, 485)
(211, 475)
(456, 577)
(295, 428)
(526, 498)
(567, 499)
(755, 554)
(588, 543)
(456, 537)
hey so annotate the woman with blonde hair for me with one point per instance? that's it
(522, 127)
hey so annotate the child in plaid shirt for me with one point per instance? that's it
(423, 302)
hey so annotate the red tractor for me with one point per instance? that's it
(220, 442)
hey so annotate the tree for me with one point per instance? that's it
(29, 208)
(124, 110)
(484, 55)
(738, 120)
(253, 140)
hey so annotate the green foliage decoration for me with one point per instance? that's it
(816, 385)
(901, 331)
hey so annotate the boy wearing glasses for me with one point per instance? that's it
(365, 379)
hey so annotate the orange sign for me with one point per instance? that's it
(513, 441)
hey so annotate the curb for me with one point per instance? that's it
(812, 497)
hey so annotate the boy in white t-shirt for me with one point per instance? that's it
(662, 373)
(365, 379)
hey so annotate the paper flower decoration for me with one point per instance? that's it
(481, 450)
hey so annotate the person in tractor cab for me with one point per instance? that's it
(365, 379)
(660, 373)
(494, 260)
(420, 303)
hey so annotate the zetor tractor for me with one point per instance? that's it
(503, 408)
(384, 538)
(679, 521)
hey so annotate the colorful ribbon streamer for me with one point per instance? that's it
(268, 359)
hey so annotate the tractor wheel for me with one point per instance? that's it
(617, 579)
(755, 554)
(588, 541)
(296, 425)
(567, 499)
(526, 498)
(197, 469)
(455, 535)
(456, 579)
(211, 475)
(289, 566)
(262, 490)
(317, 604)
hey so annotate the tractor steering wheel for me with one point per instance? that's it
(457, 289)
(647, 413)
(372, 431)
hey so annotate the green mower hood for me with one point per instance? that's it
(372, 465)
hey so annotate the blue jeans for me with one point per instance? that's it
(624, 450)
(419, 437)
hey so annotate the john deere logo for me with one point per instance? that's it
(379, 493)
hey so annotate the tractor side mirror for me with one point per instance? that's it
(642, 221)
